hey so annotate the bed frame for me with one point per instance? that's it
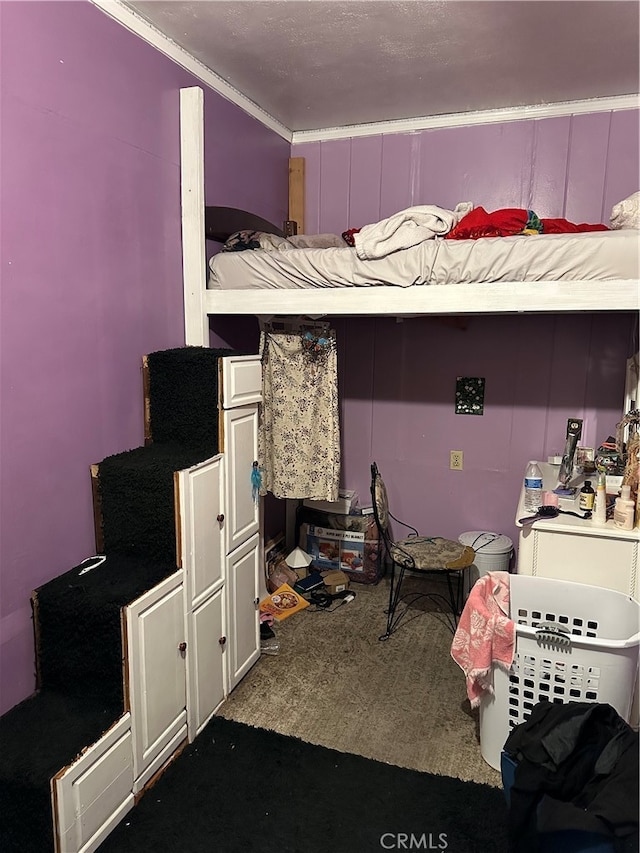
(200, 223)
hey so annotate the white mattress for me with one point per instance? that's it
(593, 255)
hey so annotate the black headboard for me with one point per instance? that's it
(221, 222)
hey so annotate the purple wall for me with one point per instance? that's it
(398, 385)
(398, 379)
(91, 272)
(575, 166)
(91, 280)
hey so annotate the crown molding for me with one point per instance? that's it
(507, 114)
(139, 26)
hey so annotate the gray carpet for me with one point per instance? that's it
(333, 683)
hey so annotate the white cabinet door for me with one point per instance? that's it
(156, 654)
(242, 593)
(241, 382)
(200, 497)
(206, 661)
(240, 450)
(94, 793)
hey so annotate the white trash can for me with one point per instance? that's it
(493, 550)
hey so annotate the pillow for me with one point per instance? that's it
(626, 214)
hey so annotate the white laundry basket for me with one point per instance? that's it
(588, 654)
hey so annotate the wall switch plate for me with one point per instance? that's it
(456, 460)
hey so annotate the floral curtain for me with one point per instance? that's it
(299, 435)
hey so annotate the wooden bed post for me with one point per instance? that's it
(194, 268)
(296, 192)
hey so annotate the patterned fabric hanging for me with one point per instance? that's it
(299, 434)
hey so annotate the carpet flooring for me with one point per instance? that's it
(238, 789)
(334, 683)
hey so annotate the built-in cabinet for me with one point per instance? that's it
(200, 496)
(188, 641)
(93, 795)
(156, 676)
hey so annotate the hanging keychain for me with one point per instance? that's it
(256, 482)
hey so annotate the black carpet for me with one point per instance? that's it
(81, 692)
(183, 395)
(238, 789)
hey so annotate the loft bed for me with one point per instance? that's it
(311, 282)
(605, 286)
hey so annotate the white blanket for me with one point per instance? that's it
(407, 228)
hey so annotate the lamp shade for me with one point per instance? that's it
(298, 559)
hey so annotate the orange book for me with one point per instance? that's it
(283, 603)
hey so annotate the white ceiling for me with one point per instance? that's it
(313, 64)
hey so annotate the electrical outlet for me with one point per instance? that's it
(455, 460)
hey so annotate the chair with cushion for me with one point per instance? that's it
(427, 555)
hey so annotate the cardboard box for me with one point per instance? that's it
(334, 549)
(335, 581)
(346, 542)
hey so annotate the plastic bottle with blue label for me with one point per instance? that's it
(532, 487)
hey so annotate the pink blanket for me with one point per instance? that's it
(485, 635)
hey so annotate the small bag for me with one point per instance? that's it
(281, 574)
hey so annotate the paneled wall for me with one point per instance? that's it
(575, 166)
(397, 387)
(398, 378)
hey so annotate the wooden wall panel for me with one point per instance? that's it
(488, 165)
(587, 166)
(623, 162)
(311, 154)
(365, 160)
(296, 193)
(397, 182)
(334, 186)
(549, 166)
(573, 166)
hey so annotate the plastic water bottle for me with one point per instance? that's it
(532, 487)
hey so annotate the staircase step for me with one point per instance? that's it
(78, 625)
(136, 503)
(182, 395)
(38, 738)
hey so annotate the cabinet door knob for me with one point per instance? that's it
(220, 518)
(182, 649)
(222, 640)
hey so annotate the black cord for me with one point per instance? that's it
(324, 600)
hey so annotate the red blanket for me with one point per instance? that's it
(510, 221)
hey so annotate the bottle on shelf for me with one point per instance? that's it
(600, 507)
(532, 487)
(624, 509)
(587, 496)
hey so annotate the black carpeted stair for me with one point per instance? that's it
(136, 498)
(185, 412)
(38, 738)
(77, 616)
